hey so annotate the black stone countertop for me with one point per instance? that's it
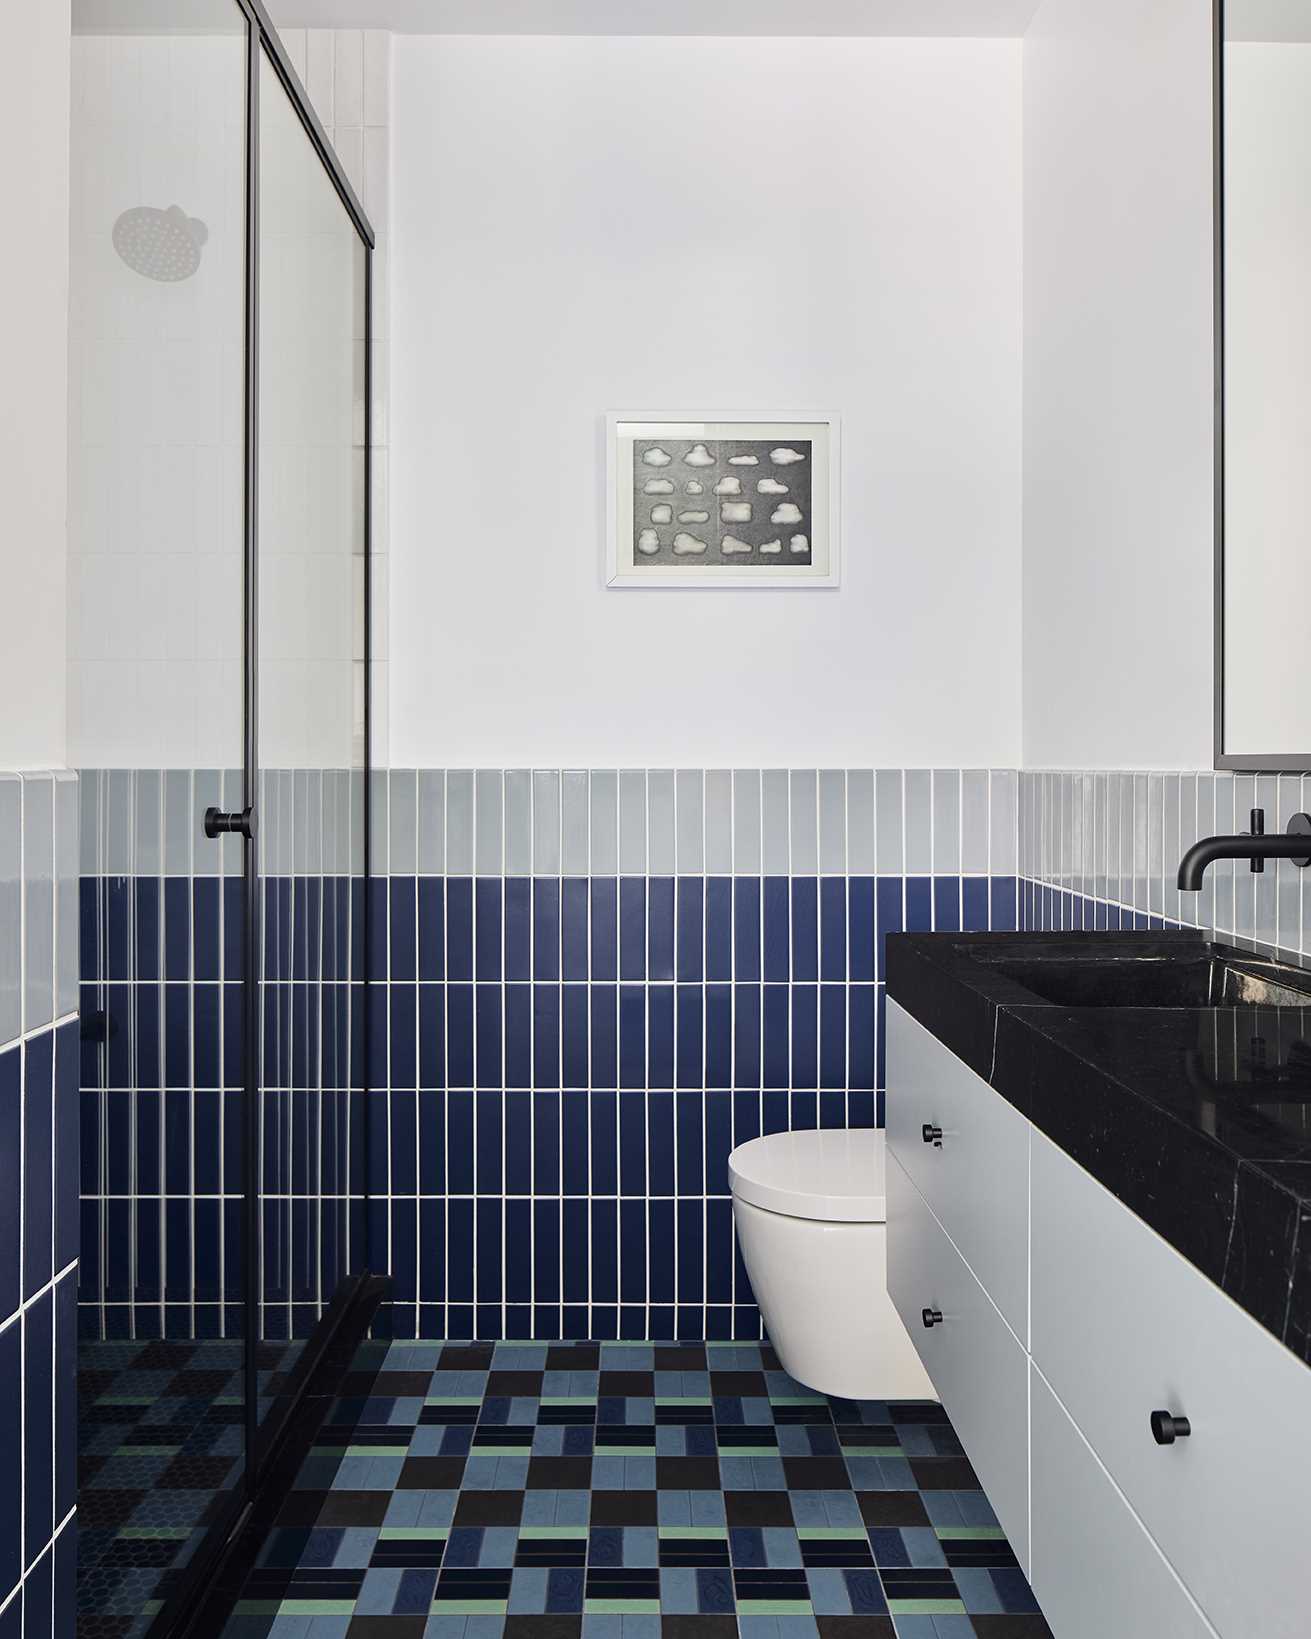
(1197, 1118)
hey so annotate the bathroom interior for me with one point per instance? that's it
(755, 1081)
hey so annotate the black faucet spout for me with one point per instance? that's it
(1294, 844)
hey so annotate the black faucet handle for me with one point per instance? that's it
(1256, 828)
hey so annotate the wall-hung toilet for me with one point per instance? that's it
(811, 1219)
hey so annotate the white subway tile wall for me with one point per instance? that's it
(38, 1200)
(1114, 838)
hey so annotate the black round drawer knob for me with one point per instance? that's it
(931, 1318)
(1167, 1428)
(931, 1134)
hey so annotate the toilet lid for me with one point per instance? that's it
(835, 1176)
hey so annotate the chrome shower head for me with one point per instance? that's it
(163, 245)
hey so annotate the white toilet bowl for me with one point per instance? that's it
(811, 1219)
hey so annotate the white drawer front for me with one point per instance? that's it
(977, 1179)
(977, 1367)
(1096, 1572)
(1124, 1326)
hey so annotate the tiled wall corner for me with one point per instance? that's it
(38, 1200)
(1100, 849)
(347, 74)
(589, 984)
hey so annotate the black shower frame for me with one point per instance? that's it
(271, 1445)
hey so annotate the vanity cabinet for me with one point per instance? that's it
(1204, 1535)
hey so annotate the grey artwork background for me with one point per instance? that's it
(796, 475)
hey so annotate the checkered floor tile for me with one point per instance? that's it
(159, 1443)
(628, 1491)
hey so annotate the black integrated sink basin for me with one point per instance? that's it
(1205, 976)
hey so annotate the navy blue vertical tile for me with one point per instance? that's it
(432, 1035)
(604, 1251)
(689, 1144)
(234, 928)
(833, 1035)
(833, 928)
(65, 1593)
(860, 1049)
(633, 1251)
(546, 1252)
(690, 956)
(487, 929)
(88, 942)
(574, 1036)
(573, 927)
(205, 928)
(459, 1142)
(459, 927)
(518, 928)
(890, 917)
(38, 1160)
(118, 928)
(11, 1149)
(404, 1035)
(719, 928)
(777, 1065)
(632, 927)
(489, 1133)
(519, 1035)
(805, 1036)
(632, 1036)
(575, 1235)
(719, 1036)
(746, 929)
(38, 1419)
(946, 904)
(861, 928)
(65, 1478)
(11, 1456)
(659, 1141)
(1002, 900)
(546, 1035)
(487, 1273)
(919, 904)
(974, 904)
(404, 928)
(719, 1141)
(691, 1251)
(603, 1141)
(518, 1253)
(746, 1035)
(432, 927)
(604, 927)
(660, 927)
(805, 929)
(546, 928)
(146, 950)
(631, 1110)
(777, 935)
(487, 1008)
(690, 1027)
(881, 1042)
(576, 1147)
(660, 1241)
(660, 1036)
(459, 1035)
(545, 1115)
(604, 1036)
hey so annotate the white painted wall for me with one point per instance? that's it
(33, 368)
(1117, 385)
(598, 223)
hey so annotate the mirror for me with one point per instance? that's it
(1263, 358)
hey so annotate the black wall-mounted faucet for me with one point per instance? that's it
(1255, 846)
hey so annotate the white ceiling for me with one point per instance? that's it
(965, 18)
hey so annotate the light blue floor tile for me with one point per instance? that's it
(678, 1592)
(828, 1592)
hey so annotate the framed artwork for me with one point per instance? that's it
(722, 500)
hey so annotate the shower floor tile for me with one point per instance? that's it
(159, 1444)
(628, 1491)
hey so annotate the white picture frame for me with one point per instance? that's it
(746, 499)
